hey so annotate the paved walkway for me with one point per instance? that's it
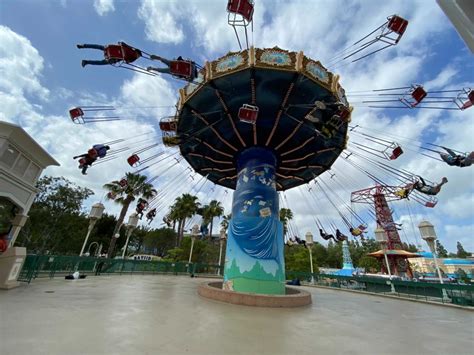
(164, 315)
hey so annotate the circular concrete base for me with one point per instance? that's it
(292, 298)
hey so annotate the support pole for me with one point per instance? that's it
(89, 230)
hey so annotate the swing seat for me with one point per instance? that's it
(396, 153)
(129, 54)
(114, 51)
(76, 113)
(248, 114)
(92, 153)
(418, 94)
(397, 24)
(470, 101)
(133, 160)
(431, 204)
(241, 7)
(182, 68)
(123, 182)
(344, 113)
(168, 126)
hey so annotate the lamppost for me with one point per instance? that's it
(95, 214)
(309, 244)
(90, 246)
(429, 235)
(194, 234)
(131, 225)
(222, 239)
(381, 237)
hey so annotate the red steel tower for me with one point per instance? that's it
(379, 196)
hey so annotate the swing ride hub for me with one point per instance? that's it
(283, 86)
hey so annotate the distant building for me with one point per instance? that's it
(425, 265)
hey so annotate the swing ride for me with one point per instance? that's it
(261, 121)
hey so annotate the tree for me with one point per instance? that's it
(369, 263)
(158, 241)
(461, 253)
(440, 250)
(185, 206)
(297, 259)
(57, 222)
(209, 212)
(136, 187)
(285, 216)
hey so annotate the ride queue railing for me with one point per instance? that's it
(42, 266)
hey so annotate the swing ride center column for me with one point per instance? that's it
(254, 256)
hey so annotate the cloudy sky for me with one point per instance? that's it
(41, 79)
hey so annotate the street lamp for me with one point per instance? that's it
(194, 234)
(131, 225)
(95, 214)
(309, 244)
(381, 237)
(222, 238)
(429, 236)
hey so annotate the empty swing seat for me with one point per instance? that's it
(431, 204)
(182, 68)
(470, 101)
(133, 160)
(76, 113)
(397, 24)
(241, 7)
(248, 114)
(396, 153)
(418, 94)
(168, 126)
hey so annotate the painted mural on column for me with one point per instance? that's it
(254, 258)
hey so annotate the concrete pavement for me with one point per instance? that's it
(159, 314)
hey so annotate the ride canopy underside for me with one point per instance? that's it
(296, 107)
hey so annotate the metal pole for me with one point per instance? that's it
(89, 230)
(221, 242)
(432, 248)
(129, 233)
(392, 287)
(191, 251)
(311, 262)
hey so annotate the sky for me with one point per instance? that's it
(41, 79)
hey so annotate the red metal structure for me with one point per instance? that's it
(379, 196)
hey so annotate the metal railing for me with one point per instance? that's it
(457, 294)
(40, 266)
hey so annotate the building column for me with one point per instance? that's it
(17, 223)
(254, 254)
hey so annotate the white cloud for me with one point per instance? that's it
(162, 20)
(20, 66)
(102, 7)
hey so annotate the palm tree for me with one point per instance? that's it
(285, 216)
(136, 187)
(214, 209)
(185, 206)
